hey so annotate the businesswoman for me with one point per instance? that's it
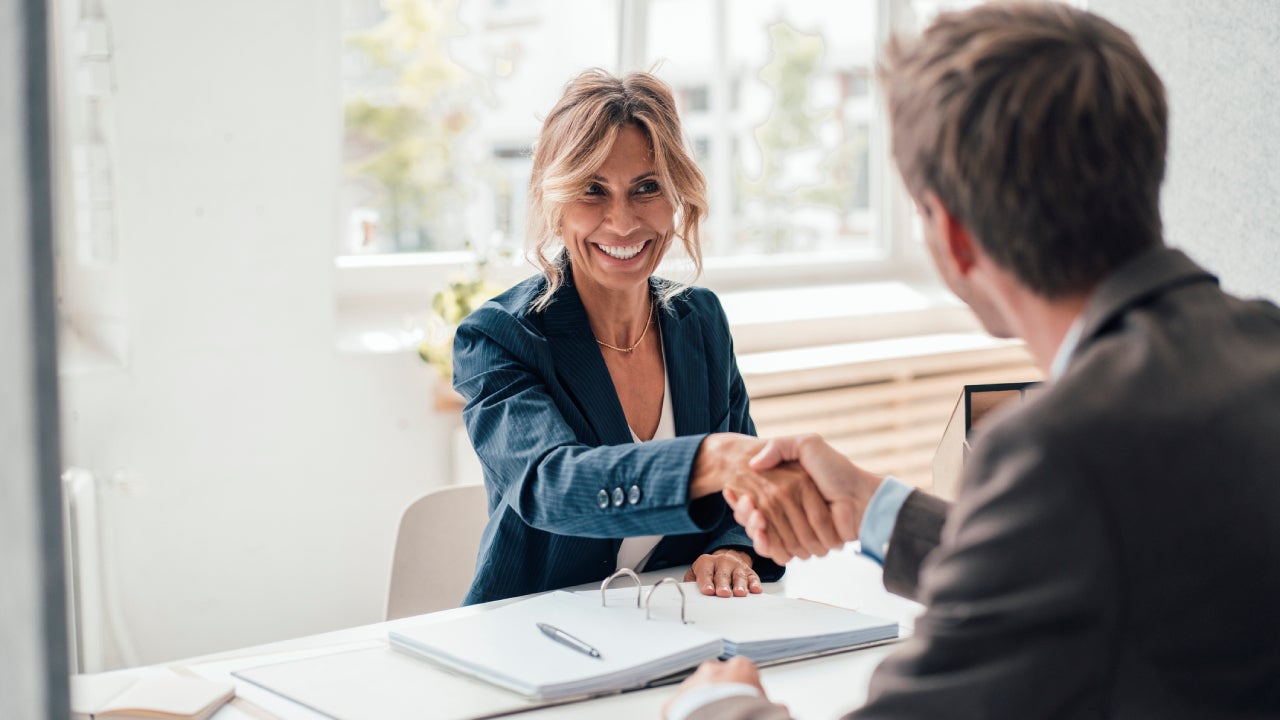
(591, 388)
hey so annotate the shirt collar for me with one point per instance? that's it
(1066, 347)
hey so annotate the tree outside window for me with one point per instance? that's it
(406, 113)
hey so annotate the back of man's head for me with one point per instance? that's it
(1042, 129)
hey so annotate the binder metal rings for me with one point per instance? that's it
(631, 574)
(624, 571)
(654, 589)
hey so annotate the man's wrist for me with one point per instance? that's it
(881, 516)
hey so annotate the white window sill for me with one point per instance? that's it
(382, 307)
(784, 318)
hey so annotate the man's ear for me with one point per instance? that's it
(955, 242)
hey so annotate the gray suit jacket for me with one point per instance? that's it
(1114, 550)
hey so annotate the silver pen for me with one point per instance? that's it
(565, 638)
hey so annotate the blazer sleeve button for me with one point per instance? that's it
(633, 495)
(617, 497)
(602, 498)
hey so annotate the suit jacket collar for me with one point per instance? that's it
(1151, 273)
(581, 368)
(685, 354)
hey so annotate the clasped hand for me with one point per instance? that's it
(799, 497)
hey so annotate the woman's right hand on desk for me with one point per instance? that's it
(724, 572)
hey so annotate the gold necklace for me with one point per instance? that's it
(633, 347)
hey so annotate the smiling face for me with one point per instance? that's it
(619, 227)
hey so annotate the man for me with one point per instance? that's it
(1114, 550)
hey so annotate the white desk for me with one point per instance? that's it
(817, 688)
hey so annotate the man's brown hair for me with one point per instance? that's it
(1041, 128)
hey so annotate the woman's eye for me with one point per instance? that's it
(648, 187)
(595, 189)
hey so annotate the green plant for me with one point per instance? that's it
(448, 307)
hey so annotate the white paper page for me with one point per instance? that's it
(382, 684)
(271, 702)
(750, 619)
(506, 644)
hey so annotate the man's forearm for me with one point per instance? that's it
(916, 532)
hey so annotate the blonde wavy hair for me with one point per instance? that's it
(578, 136)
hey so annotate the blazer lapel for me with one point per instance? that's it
(686, 360)
(581, 368)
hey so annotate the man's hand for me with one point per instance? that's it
(725, 572)
(845, 486)
(714, 672)
(798, 518)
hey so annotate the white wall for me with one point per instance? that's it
(1218, 61)
(270, 469)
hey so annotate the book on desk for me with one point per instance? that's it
(125, 696)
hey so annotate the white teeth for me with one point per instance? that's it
(622, 252)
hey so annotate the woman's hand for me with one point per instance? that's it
(725, 572)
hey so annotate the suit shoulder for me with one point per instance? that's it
(698, 297)
(512, 306)
(701, 302)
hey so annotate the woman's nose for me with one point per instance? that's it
(620, 216)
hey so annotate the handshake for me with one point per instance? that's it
(796, 496)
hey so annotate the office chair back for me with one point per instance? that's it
(436, 550)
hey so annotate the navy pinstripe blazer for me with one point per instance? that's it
(565, 481)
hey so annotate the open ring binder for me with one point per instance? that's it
(506, 647)
(631, 574)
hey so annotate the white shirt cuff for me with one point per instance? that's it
(881, 516)
(696, 699)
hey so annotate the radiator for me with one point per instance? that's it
(884, 404)
(96, 633)
(84, 571)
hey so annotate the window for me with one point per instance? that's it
(442, 99)
(769, 92)
(90, 281)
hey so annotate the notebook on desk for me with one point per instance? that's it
(599, 649)
(129, 696)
